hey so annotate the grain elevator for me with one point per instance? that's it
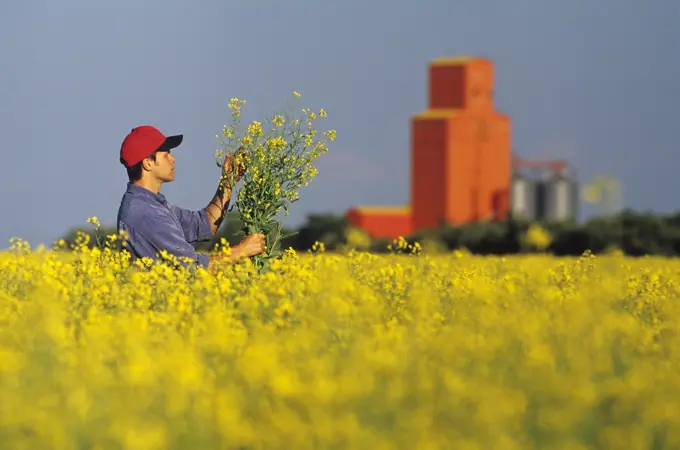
(462, 167)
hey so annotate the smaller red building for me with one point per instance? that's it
(382, 221)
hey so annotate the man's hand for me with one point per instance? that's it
(251, 245)
(232, 171)
(235, 165)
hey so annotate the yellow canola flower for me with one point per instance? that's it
(255, 129)
(330, 350)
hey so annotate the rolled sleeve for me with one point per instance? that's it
(195, 224)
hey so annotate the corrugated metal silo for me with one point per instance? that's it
(558, 198)
(523, 197)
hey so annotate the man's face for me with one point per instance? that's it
(164, 167)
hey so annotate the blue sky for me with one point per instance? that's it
(595, 83)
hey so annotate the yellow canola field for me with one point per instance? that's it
(340, 352)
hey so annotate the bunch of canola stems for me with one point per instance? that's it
(276, 161)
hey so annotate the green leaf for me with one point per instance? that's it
(274, 254)
(284, 236)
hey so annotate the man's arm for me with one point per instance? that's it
(161, 236)
(195, 224)
(217, 208)
(250, 245)
(203, 224)
(158, 234)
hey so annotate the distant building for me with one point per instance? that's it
(461, 159)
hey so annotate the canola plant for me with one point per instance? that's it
(407, 350)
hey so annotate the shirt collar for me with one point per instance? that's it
(143, 192)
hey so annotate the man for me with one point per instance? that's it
(151, 223)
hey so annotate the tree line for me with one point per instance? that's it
(630, 232)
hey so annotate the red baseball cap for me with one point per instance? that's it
(143, 141)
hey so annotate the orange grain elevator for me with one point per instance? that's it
(460, 155)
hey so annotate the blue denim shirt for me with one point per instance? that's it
(152, 224)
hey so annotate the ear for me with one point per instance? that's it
(146, 164)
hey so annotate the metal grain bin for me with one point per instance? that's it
(523, 198)
(557, 198)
